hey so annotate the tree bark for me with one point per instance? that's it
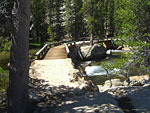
(18, 98)
(91, 39)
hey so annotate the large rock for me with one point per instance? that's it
(141, 100)
(85, 50)
(94, 53)
(133, 98)
(90, 103)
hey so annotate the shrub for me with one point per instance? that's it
(3, 79)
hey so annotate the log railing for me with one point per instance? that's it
(69, 44)
(42, 52)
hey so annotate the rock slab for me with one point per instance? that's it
(90, 103)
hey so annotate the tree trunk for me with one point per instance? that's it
(18, 98)
(109, 78)
(106, 18)
(91, 39)
(127, 76)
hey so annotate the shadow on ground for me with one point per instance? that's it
(46, 98)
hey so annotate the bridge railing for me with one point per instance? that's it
(41, 53)
(69, 44)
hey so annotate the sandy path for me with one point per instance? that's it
(56, 72)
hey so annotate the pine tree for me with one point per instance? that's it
(38, 20)
(68, 17)
(77, 24)
(93, 12)
(50, 33)
(58, 19)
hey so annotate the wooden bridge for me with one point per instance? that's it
(60, 50)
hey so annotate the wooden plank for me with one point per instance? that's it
(58, 52)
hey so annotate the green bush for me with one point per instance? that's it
(4, 59)
(118, 43)
(51, 34)
(5, 44)
(4, 77)
(32, 52)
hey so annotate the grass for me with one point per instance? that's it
(32, 53)
(5, 56)
(4, 78)
(4, 59)
(35, 45)
(4, 74)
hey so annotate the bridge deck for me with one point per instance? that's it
(58, 52)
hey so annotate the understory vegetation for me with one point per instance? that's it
(3, 79)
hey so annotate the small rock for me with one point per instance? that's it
(135, 83)
(139, 78)
(115, 82)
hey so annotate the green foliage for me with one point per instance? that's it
(1, 70)
(118, 43)
(93, 12)
(109, 17)
(74, 25)
(56, 11)
(39, 19)
(132, 24)
(108, 66)
(35, 45)
(51, 34)
(32, 53)
(4, 59)
(5, 43)
(3, 80)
